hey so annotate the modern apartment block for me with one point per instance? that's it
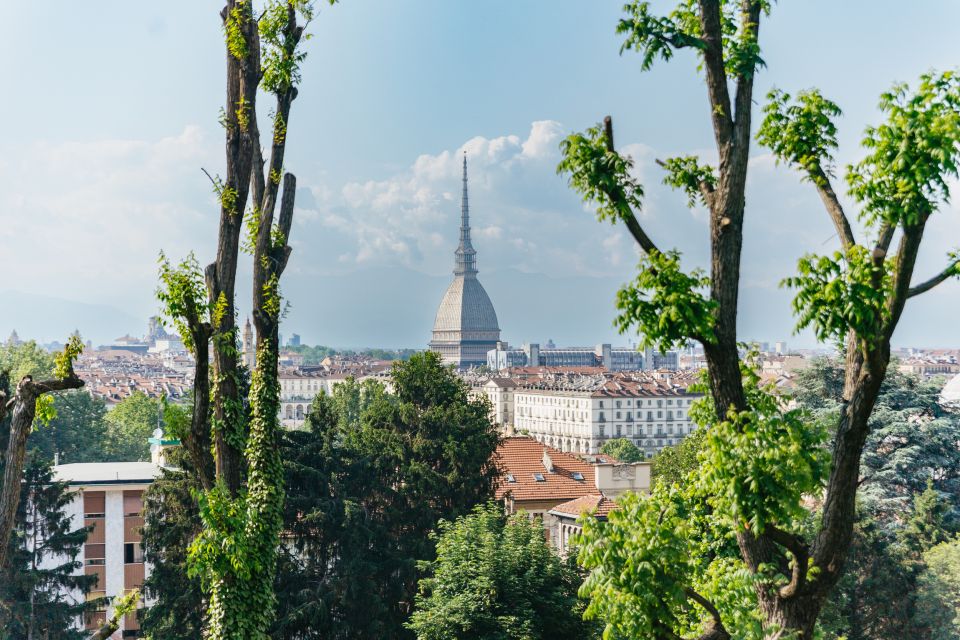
(108, 497)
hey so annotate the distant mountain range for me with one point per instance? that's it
(375, 307)
(395, 307)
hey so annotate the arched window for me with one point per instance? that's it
(289, 413)
(299, 412)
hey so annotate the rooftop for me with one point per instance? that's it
(522, 458)
(597, 505)
(106, 472)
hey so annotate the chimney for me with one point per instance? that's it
(547, 461)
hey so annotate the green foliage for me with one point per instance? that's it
(368, 481)
(234, 554)
(129, 426)
(672, 465)
(182, 293)
(26, 359)
(876, 597)
(496, 578)
(758, 464)
(172, 520)
(847, 291)
(63, 361)
(665, 305)
(802, 133)
(233, 29)
(912, 440)
(602, 177)
(43, 566)
(688, 174)
(642, 543)
(926, 526)
(659, 37)
(938, 606)
(623, 450)
(913, 154)
(646, 556)
(77, 432)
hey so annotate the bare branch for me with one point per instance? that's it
(951, 270)
(832, 203)
(629, 218)
(715, 631)
(720, 107)
(801, 556)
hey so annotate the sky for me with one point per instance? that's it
(110, 113)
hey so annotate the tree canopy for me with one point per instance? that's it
(496, 577)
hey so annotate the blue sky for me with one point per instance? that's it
(111, 110)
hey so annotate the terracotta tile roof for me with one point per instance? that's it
(597, 504)
(521, 457)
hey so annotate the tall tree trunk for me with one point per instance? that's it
(22, 408)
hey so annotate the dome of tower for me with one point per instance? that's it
(466, 307)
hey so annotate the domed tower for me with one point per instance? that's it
(466, 324)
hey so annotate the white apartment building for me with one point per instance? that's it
(580, 413)
(108, 497)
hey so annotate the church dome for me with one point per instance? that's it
(466, 307)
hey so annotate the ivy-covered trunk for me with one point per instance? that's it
(241, 505)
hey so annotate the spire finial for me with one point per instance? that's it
(466, 256)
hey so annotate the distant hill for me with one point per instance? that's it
(45, 319)
(395, 307)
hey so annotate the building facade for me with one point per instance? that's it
(579, 413)
(603, 355)
(108, 498)
(466, 326)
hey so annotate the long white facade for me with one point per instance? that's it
(578, 413)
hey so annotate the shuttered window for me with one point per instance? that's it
(132, 503)
(93, 504)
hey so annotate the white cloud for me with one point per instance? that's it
(520, 209)
(88, 219)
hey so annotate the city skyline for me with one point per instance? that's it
(106, 181)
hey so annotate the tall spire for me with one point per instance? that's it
(466, 255)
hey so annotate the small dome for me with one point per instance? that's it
(466, 307)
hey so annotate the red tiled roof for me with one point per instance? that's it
(522, 457)
(597, 505)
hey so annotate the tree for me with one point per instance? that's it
(496, 577)
(876, 597)
(171, 522)
(368, 482)
(939, 597)
(673, 464)
(36, 586)
(622, 450)
(78, 432)
(233, 440)
(912, 440)
(129, 426)
(31, 399)
(855, 297)
(926, 525)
